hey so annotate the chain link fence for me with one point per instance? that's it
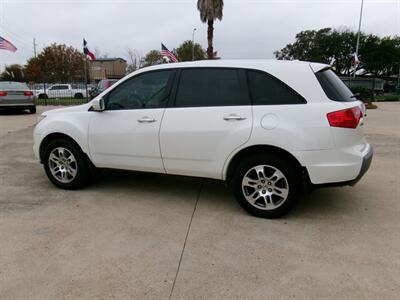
(62, 93)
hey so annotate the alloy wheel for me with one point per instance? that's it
(63, 165)
(265, 187)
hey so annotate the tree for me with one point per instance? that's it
(210, 10)
(184, 51)
(153, 57)
(381, 56)
(56, 63)
(320, 46)
(134, 60)
(13, 73)
(377, 55)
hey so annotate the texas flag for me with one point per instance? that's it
(87, 51)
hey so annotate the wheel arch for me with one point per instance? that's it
(259, 149)
(53, 136)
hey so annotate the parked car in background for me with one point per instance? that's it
(102, 86)
(17, 95)
(62, 91)
(266, 128)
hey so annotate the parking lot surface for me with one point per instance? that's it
(132, 235)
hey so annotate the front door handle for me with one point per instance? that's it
(234, 117)
(146, 120)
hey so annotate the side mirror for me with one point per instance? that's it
(98, 105)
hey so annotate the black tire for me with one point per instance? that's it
(43, 96)
(83, 174)
(32, 110)
(78, 96)
(293, 181)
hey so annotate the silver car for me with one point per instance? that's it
(17, 95)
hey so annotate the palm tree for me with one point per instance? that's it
(210, 10)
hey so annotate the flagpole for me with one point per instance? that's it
(194, 29)
(85, 67)
(358, 34)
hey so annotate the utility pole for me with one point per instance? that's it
(34, 47)
(194, 29)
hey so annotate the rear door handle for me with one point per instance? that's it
(234, 117)
(146, 120)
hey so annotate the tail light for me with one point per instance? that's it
(346, 118)
(28, 94)
(2, 94)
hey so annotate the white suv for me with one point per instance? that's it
(264, 127)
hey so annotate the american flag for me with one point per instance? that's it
(166, 53)
(6, 45)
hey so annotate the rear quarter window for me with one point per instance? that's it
(266, 89)
(334, 87)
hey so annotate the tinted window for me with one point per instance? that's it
(267, 90)
(148, 90)
(334, 87)
(59, 87)
(210, 87)
(4, 85)
(101, 85)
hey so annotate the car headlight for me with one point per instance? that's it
(40, 118)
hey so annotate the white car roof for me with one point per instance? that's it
(239, 63)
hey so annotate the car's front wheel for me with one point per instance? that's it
(65, 164)
(266, 186)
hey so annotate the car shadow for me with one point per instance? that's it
(13, 111)
(215, 195)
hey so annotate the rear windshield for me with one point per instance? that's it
(333, 87)
(6, 85)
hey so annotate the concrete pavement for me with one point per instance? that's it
(146, 236)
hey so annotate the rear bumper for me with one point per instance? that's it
(23, 105)
(366, 163)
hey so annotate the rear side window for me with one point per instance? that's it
(211, 87)
(268, 90)
(333, 87)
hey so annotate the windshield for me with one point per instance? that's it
(10, 85)
(334, 87)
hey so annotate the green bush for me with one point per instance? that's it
(62, 101)
(390, 98)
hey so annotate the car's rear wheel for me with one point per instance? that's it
(32, 110)
(65, 164)
(78, 96)
(266, 186)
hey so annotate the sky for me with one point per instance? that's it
(249, 28)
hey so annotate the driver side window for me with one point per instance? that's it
(148, 90)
